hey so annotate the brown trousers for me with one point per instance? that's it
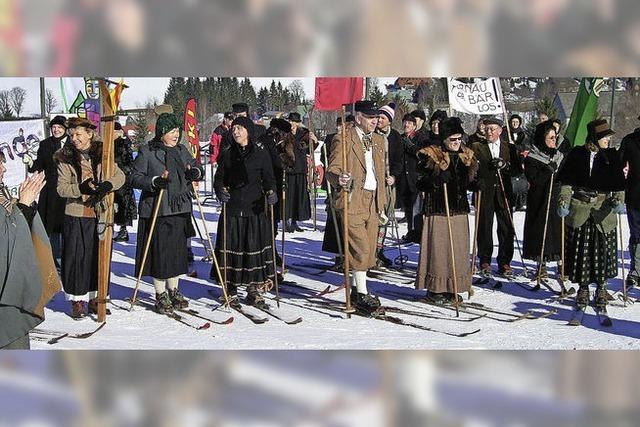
(363, 231)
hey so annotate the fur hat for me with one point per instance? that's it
(75, 122)
(58, 120)
(389, 110)
(294, 117)
(450, 126)
(246, 123)
(166, 122)
(280, 124)
(419, 114)
(240, 107)
(439, 115)
(598, 129)
(409, 118)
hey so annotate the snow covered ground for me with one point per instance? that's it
(144, 329)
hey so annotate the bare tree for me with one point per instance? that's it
(50, 102)
(5, 105)
(297, 90)
(17, 96)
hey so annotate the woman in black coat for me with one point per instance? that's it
(124, 198)
(245, 183)
(50, 204)
(540, 167)
(166, 164)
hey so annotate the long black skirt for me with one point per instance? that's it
(297, 204)
(167, 255)
(249, 250)
(330, 239)
(79, 255)
(590, 255)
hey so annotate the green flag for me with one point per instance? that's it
(585, 109)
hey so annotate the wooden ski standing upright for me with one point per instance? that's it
(109, 105)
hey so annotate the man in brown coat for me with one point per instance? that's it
(362, 181)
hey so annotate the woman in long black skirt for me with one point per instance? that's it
(540, 165)
(591, 195)
(165, 164)
(245, 183)
(80, 183)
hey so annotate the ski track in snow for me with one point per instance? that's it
(144, 329)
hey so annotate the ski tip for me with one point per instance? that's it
(228, 321)
(205, 326)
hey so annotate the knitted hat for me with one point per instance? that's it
(165, 123)
(389, 110)
(450, 126)
(58, 120)
(246, 123)
(280, 124)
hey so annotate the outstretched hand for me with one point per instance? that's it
(31, 187)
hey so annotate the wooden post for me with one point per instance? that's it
(345, 219)
(312, 173)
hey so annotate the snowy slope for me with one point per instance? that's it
(144, 329)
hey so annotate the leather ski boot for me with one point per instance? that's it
(177, 299)
(163, 303)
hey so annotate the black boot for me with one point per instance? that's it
(366, 304)
(439, 298)
(632, 281)
(582, 297)
(254, 297)
(177, 299)
(601, 297)
(163, 303)
(190, 255)
(383, 261)
(122, 236)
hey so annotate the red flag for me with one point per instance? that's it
(191, 127)
(333, 92)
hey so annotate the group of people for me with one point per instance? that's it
(261, 178)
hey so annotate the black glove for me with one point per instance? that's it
(86, 188)
(223, 195)
(272, 197)
(192, 174)
(444, 177)
(553, 166)
(102, 189)
(498, 163)
(160, 182)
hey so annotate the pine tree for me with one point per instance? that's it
(377, 96)
(262, 101)
(176, 95)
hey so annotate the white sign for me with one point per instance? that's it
(19, 142)
(480, 97)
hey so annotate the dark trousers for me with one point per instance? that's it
(485, 232)
(633, 217)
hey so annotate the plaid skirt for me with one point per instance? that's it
(591, 255)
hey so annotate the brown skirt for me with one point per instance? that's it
(434, 266)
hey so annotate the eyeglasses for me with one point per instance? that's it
(455, 139)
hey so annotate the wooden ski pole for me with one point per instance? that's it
(216, 266)
(515, 235)
(345, 219)
(453, 255)
(474, 249)
(273, 248)
(624, 285)
(147, 244)
(544, 233)
(312, 174)
(282, 219)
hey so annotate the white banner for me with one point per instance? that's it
(19, 142)
(481, 97)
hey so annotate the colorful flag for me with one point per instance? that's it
(333, 92)
(191, 127)
(585, 109)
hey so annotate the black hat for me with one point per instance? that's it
(240, 107)
(350, 118)
(515, 116)
(246, 123)
(419, 114)
(439, 115)
(117, 126)
(294, 117)
(450, 126)
(229, 115)
(598, 129)
(366, 107)
(409, 118)
(58, 120)
(280, 124)
(490, 120)
(540, 132)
